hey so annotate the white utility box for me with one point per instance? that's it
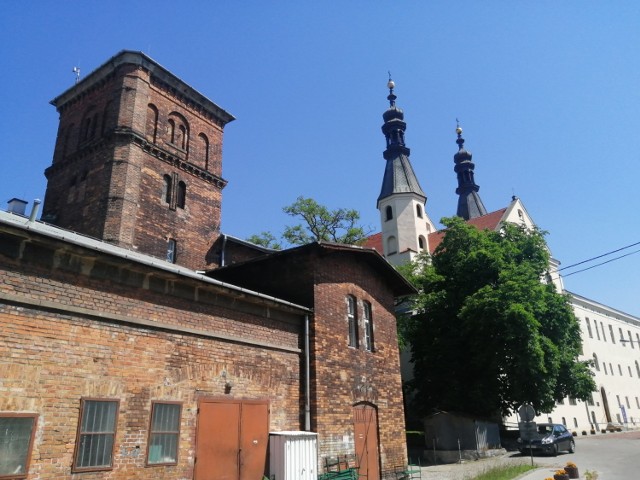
(293, 456)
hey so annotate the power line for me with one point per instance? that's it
(599, 256)
(599, 264)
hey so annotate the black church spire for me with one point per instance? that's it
(469, 203)
(399, 176)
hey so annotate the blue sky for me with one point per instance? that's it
(548, 94)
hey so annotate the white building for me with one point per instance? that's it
(611, 338)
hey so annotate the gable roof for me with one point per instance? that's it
(289, 273)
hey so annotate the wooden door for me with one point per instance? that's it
(231, 440)
(365, 420)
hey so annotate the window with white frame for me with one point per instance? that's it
(17, 431)
(368, 326)
(95, 441)
(352, 318)
(164, 433)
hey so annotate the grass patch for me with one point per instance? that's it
(504, 472)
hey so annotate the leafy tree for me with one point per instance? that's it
(265, 239)
(489, 335)
(319, 224)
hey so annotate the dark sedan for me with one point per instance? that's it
(551, 438)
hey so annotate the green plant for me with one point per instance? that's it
(504, 472)
(590, 475)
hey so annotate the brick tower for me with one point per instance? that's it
(138, 163)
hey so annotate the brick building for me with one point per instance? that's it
(121, 359)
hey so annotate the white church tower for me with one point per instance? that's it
(401, 203)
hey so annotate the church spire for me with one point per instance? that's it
(469, 203)
(399, 176)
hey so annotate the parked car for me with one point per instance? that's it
(551, 438)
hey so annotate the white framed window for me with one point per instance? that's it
(368, 326)
(352, 317)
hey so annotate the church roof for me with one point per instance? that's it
(490, 221)
(399, 177)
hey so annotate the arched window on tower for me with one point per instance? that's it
(152, 123)
(388, 213)
(419, 211)
(182, 138)
(181, 194)
(422, 244)
(204, 149)
(392, 245)
(172, 130)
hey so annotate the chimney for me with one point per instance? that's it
(17, 206)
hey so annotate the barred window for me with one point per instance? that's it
(16, 441)
(368, 327)
(164, 433)
(96, 435)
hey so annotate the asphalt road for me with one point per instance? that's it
(614, 456)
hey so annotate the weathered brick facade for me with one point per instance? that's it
(321, 277)
(137, 161)
(107, 315)
(76, 324)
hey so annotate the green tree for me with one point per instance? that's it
(319, 224)
(489, 334)
(265, 239)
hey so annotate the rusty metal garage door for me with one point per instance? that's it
(231, 439)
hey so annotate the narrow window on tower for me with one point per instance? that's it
(419, 211)
(172, 131)
(181, 194)
(166, 189)
(388, 212)
(392, 245)
(172, 246)
(421, 242)
(204, 149)
(352, 318)
(368, 326)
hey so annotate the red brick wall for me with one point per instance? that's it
(72, 326)
(107, 181)
(344, 375)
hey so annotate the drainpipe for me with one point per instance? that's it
(307, 374)
(224, 246)
(34, 211)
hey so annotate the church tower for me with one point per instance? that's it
(401, 203)
(469, 203)
(138, 162)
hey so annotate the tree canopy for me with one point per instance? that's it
(319, 224)
(490, 334)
